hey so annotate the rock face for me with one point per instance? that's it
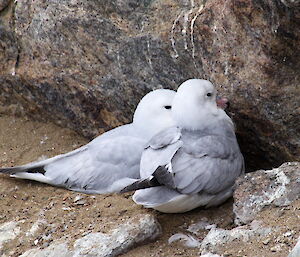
(291, 3)
(8, 231)
(137, 231)
(3, 4)
(85, 64)
(218, 237)
(296, 250)
(260, 189)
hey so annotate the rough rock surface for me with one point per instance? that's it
(217, 237)
(257, 190)
(8, 231)
(3, 4)
(85, 64)
(53, 250)
(136, 231)
(296, 250)
(210, 255)
(291, 3)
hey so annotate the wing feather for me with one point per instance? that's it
(211, 164)
(160, 151)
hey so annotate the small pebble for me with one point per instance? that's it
(266, 241)
(77, 198)
(276, 248)
(81, 202)
(288, 234)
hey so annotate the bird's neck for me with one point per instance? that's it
(203, 120)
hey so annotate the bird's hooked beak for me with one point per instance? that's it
(222, 102)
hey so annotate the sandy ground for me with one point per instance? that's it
(22, 141)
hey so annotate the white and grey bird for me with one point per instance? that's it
(194, 163)
(110, 161)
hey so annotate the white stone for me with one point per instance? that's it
(8, 231)
(54, 250)
(217, 237)
(136, 231)
(296, 250)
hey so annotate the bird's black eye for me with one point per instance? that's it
(209, 94)
(168, 107)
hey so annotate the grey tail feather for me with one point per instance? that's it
(39, 166)
(141, 184)
(14, 170)
(164, 177)
(161, 176)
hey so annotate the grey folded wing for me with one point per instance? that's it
(99, 167)
(159, 151)
(164, 138)
(209, 164)
(107, 166)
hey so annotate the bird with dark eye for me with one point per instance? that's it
(209, 94)
(168, 107)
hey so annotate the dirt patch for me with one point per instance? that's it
(47, 213)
